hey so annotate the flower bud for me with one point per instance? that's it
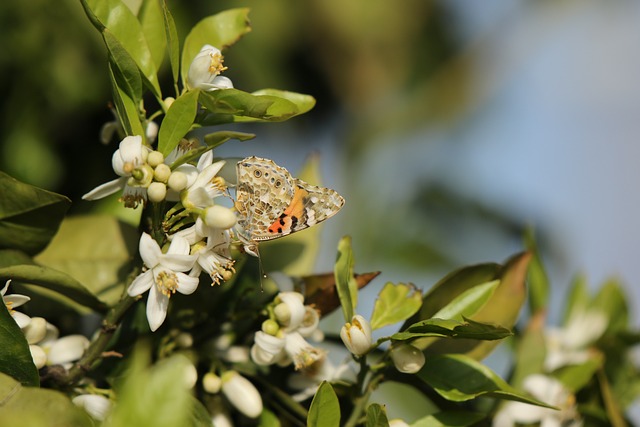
(211, 383)
(157, 192)
(291, 310)
(356, 335)
(218, 216)
(177, 181)
(242, 394)
(151, 132)
(155, 158)
(190, 375)
(168, 101)
(67, 349)
(38, 355)
(162, 172)
(407, 358)
(270, 327)
(35, 331)
(184, 340)
(97, 406)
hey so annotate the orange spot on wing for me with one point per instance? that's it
(290, 217)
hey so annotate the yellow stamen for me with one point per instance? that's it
(216, 66)
(167, 282)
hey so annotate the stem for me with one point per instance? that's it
(95, 350)
(362, 400)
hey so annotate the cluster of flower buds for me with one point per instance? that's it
(282, 338)
(237, 390)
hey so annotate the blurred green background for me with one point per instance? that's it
(449, 126)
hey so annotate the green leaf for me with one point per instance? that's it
(126, 108)
(220, 30)
(537, 276)
(346, 284)
(54, 280)
(612, 301)
(325, 408)
(173, 44)
(29, 216)
(459, 378)
(449, 419)
(452, 285)
(576, 377)
(267, 105)
(395, 303)
(153, 396)
(212, 140)
(15, 357)
(450, 328)
(469, 302)
(578, 299)
(151, 18)
(35, 407)
(377, 416)
(124, 25)
(502, 308)
(268, 419)
(178, 121)
(530, 351)
(96, 250)
(124, 68)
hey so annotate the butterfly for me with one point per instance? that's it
(271, 203)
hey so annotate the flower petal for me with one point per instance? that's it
(106, 189)
(179, 245)
(205, 160)
(150, 251)
(187, 284)
(21, 319)
(157, 305)
(67, 349)
(141, 284)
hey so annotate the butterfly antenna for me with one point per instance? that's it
(263, 275)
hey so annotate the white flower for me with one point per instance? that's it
(242, 394)
(164, 276)
(407, 358)
(356, 335)
(15, 300)
(214, 256)
(205, 69)
(129, 162)
(202, 183)
(97, 406)
(267, 349)
(547, 390)
(290, 311)
(303, 354)
(308, 380)
(570, 345)
(38, 355)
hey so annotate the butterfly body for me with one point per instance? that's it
(271, 203)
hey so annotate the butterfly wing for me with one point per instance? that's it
(271, 203)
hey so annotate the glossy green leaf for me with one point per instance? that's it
(212, 140)
(55, 281)
(29, 216)
(126, 108)
(124, 68)
(268, 419)
(15, 357)
(35, 407)
(151, 18)
(502, 309)
(178, 121)
(173, 43)
(377, 416)
(452, 285)
(469, 302)
(325, 408)
(345, 281)
(96, 250)
(451, 328)
(220, 30)
(449, 419)
(459, 378)
(537, 276)
(153, 396)
(395, 303)
(124, 25)
(267, 105)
